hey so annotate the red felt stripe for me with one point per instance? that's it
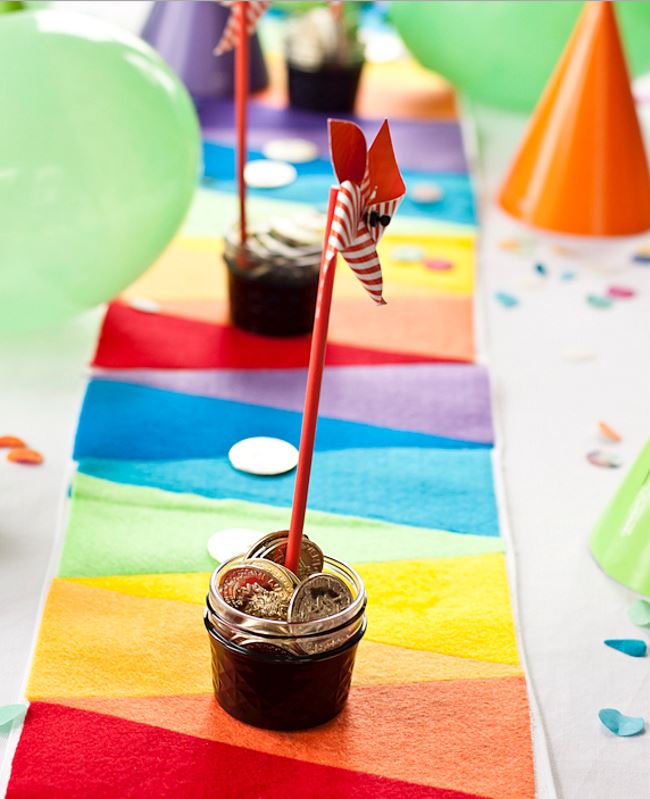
(74, 754)
(131, 339)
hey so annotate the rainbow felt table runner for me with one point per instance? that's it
(402, 488)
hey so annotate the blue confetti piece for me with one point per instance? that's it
(629, 646)
(619, 724)
(507, 300)
(641, 258)
(597, 301)
(540, 269)
(9, 713)
(566, 276)
(639, 613)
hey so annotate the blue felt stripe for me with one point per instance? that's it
(133, 422)
(444, 489)
(315, 178)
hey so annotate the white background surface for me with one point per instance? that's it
(547, 407)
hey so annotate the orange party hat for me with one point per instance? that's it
(582, 167)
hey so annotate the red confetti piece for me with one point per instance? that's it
(25, 455)
(438, 264)
(621, 292)
(11, 442)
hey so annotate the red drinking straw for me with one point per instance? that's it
(312, 396)
(241, 102)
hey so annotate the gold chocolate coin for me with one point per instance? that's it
(259, 588)
(273, 547)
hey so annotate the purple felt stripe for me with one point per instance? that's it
(451, 400)
(412, 139)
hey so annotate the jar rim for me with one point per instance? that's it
(271, 627)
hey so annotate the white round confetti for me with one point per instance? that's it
(606, 460)
(426, 193)
(269, 174)
(263, 455)
(144, 305)
(296, 151)
(226, 544)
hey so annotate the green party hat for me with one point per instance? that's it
(620, 542)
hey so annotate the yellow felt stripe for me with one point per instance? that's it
(454, 606)
(97, 642)
(192, 268)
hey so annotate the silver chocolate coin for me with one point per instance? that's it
(319, 596)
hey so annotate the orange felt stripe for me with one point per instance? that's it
(435, 326)
(126, 645)
(94, 641)
(444, 734)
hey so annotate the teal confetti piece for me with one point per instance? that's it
(540, 269)
(619, 724)
(629, 646)
(566, 276)
(597, 301)
(505, 299)
(639, 613)
(9, 713)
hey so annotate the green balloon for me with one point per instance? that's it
(99, 154)
(502, 53)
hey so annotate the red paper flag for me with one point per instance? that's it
(254, 10)
(371, 189)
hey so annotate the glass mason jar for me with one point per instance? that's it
(281, 675)
(272, 285)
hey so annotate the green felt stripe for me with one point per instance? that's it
(213, 212)
(121, 529)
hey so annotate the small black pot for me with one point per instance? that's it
(270, 298)
(329, 89)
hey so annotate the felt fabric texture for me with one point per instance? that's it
(411, 139)
(127, 645)
(134, 422)
(451, 400)
(192, 268)
(462, 607)
(437, 710)
(214, 212)
(132, 339)
(448, 489)
(348, 741)
(65, 753)
(116, 529)
(437, 329)
(402, 488)
(315, 178)
(441, 324)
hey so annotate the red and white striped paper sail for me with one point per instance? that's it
(254, 10)
(370, 191)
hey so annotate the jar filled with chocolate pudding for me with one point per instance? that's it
(273, 279)
(283, 645)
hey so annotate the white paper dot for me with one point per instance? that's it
(144, 305)
(296, 151)
(269, 174)
(226, 544)
(263, 455)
